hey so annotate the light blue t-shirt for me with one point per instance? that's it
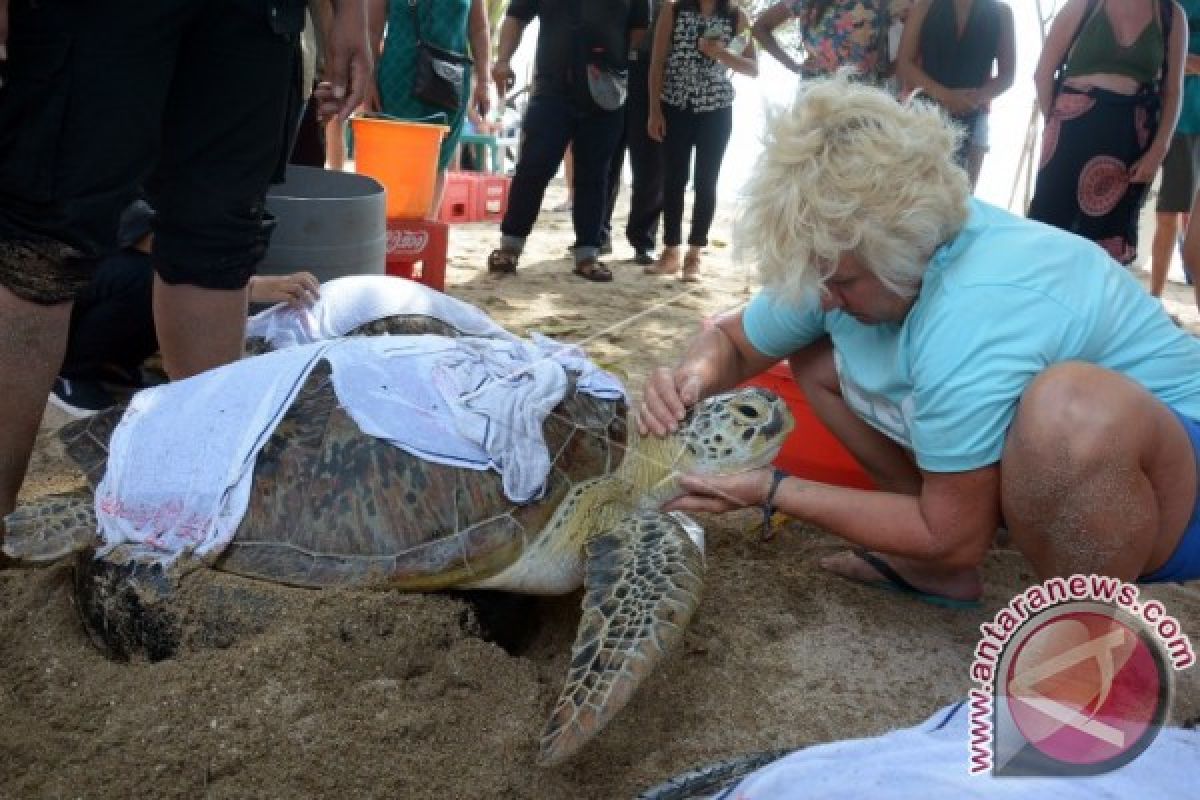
(1001, 301)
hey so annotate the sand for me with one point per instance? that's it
(376, 694)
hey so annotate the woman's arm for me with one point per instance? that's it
(479, 35)
(745, 62)
(1006, 59)
(764, 31)
(1170, 93)
(1058, 40)
(656, 127)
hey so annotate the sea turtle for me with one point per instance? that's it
(332, 506)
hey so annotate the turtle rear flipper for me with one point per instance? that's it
(51, 527)
(643, 583)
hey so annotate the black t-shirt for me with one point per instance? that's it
(576, 32)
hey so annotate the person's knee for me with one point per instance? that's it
(1064, 422)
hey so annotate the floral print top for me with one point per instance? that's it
(848, 34)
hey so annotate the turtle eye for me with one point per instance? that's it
(748, 411)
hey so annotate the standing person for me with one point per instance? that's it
(1109, 117)
(202, 84)
(979, 365)
(578, 97)
(691, 108)
(834, 34)
(948, 50)
(645, 158)
(449, 25)
(1181, 166)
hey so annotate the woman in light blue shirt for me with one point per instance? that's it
(986, 370)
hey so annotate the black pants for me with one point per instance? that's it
(706, 132)
(189, 98)
(551, 121)
(645, 162)
(112, 322)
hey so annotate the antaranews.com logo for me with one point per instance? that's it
(1073, 677)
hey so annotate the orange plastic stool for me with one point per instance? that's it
(416, 249)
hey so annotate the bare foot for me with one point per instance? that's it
(691, 265)
(965, 585)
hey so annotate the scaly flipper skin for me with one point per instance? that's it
(51, 527)
(644, 579)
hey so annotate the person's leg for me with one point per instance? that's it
(677, 157)
(1098, 475)
(59, 201)
(545, 134)
(112, 323)
(613, 182)
(713, 129)
(889, 465)
(1162, 247)
(594, 138)
(220, 150)
(1174, 198)
(645, 164)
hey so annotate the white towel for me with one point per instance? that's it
(346, 303)
(930, 760)
(182, 459)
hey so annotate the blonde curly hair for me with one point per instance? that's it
(848, 168)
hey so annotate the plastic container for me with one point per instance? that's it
(328, 223)
(811, 451)
(491, 197)
(458, 198)
(403, 157)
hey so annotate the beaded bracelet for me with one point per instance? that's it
(768, 505)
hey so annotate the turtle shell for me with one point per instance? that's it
(332, 506)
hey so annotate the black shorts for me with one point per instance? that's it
(186, 98)
(1177, 188)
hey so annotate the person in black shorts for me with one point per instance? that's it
(192, 99)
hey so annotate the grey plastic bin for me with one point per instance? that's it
(329, 223)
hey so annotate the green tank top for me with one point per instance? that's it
(1096, 50)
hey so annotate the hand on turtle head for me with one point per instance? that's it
(719, 493)
(665, 400)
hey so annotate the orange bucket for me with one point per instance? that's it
(403, 156)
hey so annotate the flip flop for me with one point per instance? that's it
(892, 581)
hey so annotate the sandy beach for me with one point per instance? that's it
(378, 694)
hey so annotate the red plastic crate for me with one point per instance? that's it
(459, 200)
(416, 249)
(491, 197)
(811, 451)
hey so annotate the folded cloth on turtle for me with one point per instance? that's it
(930, 760)
(182, 459)
(346, 303)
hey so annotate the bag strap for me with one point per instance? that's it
(1167, 17)
(416, 12)
(1061, 73)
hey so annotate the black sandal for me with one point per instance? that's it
(593, 271)
(503, 262)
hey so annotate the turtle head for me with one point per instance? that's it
(733, 432)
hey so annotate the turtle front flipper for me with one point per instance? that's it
(643, 582)
(51, 527)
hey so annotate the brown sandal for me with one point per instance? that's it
(667, 264)
(593, 271)
(503, 262)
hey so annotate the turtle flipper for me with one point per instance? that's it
(51, 527)
(644, 579)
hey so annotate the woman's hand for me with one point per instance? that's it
(716, 494)
(298, 290)
(656, 126)
(1146, 167)
(481, 100)
(666, 398)
(710, 47)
